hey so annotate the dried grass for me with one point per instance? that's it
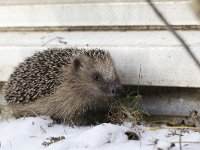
(127, 109)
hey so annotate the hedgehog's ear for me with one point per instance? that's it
(77, 64)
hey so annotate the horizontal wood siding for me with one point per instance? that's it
(94, 14)
(162, 60)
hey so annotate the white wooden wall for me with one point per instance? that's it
(29, 26)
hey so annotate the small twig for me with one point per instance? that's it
(154, 143)
(171, 29)
(163, 121)
(138, 86)
(191, 142)
(174, 133)
(180, 140)
(43, 130)
(64, 130)
(175, 127)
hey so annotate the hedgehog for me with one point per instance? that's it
(65, 84)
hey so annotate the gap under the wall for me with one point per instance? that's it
(161, 101)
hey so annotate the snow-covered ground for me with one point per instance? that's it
(30, 133)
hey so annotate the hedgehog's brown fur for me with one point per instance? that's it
(62, 83)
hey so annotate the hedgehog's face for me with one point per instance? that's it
(98, 76)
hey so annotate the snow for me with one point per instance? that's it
(29, 134)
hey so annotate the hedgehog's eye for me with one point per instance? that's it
(96, 76)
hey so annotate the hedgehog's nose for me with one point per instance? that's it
(116, 90)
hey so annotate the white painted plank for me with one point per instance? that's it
(129, 38)
(94, 14)
(160, 66)
(126, 45)
(28, 2)
(162, 59)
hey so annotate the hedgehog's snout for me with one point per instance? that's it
(116, 90)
